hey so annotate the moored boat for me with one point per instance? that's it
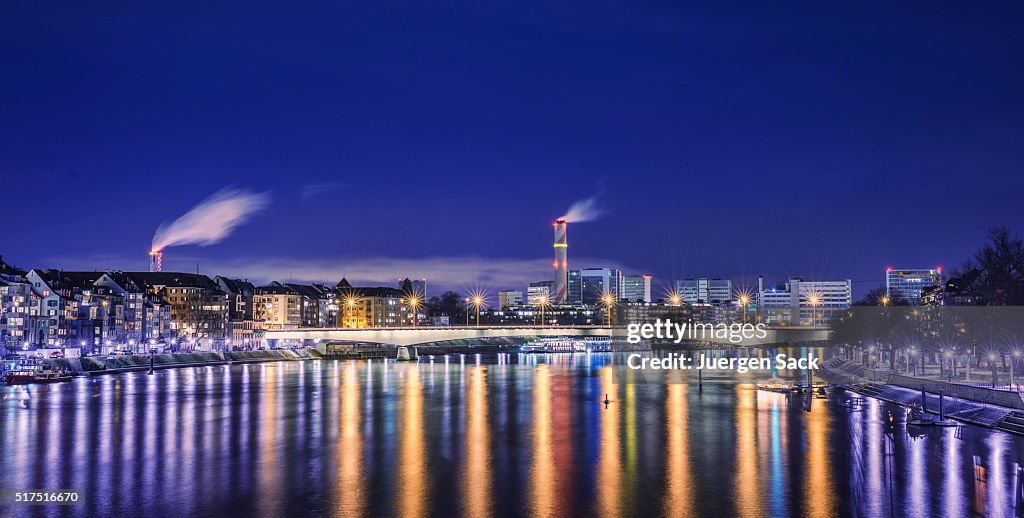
(777, 385)
(40, 375)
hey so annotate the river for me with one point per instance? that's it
(503, 435)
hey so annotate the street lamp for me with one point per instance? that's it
(608, 301)
(674, 298)
(350, 303)
(992, 363)
(413, 302)
(949, 368)
(478, 301)
(543, 300)
(1014, 357)
(744, 300)
(885, 301)
(814, 300)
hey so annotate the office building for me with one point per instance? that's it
(704, 291)
(598, 282)
(909, 284)
(803, 303)
(574, 294)
(509, 298)
(636, 288)
(539, 291)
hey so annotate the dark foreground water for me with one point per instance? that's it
(505, 435)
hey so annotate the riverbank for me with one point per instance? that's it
(93, 366)
(991, 408)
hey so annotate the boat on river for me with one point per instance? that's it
(32, 374)
(778, 385)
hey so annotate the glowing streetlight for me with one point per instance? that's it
(814, 301)
(1014, 358)
(608, 301)
(413, 302)
(744, 301)
(477, 302)
(674, 298)
(992, 362)
(543, 302)
(911, 355)
(350, 303)
(885, 301)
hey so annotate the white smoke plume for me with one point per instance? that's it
(583, 210)
(212, 220)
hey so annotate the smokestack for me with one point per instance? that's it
(560, 290)
(155, 259)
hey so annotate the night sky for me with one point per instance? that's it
(441, 138)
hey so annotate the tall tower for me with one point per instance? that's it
(560, 290)
(155, 260)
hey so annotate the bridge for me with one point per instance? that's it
(405, 336)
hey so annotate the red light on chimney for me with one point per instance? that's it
(888, 268)
(939, 269)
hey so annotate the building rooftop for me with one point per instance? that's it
(235, 285)
(173, 280)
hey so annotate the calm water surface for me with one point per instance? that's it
(494, 435)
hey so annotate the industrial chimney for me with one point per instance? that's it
(155, 260)
(560, 290)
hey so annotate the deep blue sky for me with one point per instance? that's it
(813, 139)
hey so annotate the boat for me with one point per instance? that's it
(777, 385)
(567, 345)
(25, 376)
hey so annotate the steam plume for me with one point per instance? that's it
(212, 220)
(583, 210)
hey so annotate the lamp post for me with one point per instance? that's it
(350, 303)
(543, 300)
(814, 300)
(1014, 357)
(744, 300)
(413, 302)
(609, 301)
(950, 367)
(477, 302)
(992, 363)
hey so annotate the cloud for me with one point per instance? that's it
(316, 189)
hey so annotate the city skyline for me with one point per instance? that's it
(446, 273)
(455, 147)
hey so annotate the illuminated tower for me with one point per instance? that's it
(560, 290)
(155, 260)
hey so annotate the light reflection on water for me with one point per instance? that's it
(480, 436)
